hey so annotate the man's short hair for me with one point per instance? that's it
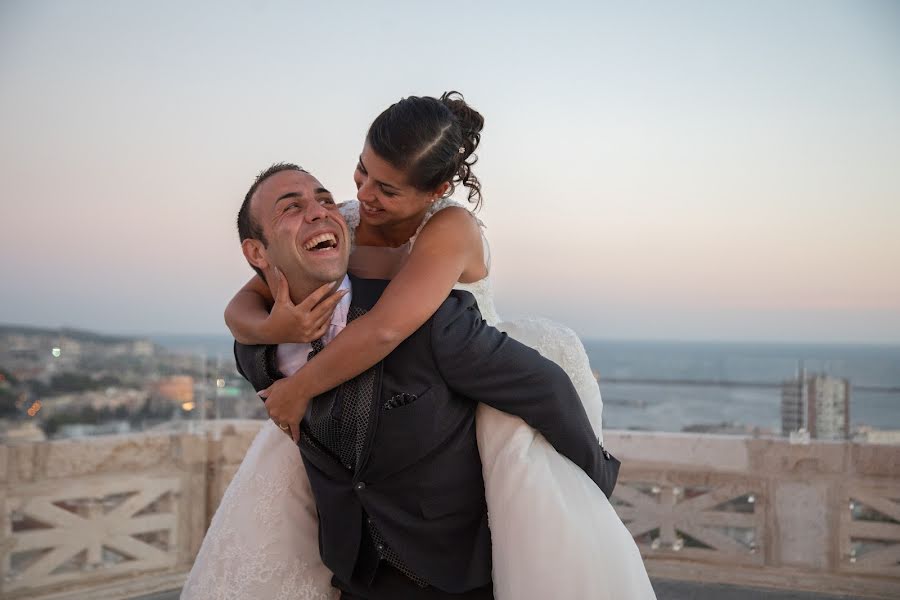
(248, 227)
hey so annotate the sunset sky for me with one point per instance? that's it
(651, 170)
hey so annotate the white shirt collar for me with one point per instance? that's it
(339, 317)
(291, 357)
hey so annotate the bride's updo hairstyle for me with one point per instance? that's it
(432, 140)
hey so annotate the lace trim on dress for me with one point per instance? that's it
(350, 211)
(481, 289)
(439, 205)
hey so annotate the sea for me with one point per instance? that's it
(678, 386)
(709, 384)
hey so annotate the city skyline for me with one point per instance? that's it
(699, 172)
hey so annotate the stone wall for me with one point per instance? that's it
(823, 516)
(111, 516)
(121, 516)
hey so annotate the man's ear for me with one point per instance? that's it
(255, 253)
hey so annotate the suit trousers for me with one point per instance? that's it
(391, 584)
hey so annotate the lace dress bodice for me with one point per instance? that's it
(390, 260)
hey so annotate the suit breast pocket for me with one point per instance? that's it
(406, 408)
(406, 426)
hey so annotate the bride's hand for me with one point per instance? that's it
(298, 323)
(286, 405)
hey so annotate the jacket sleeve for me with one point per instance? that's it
(485, 365)
(257, 364)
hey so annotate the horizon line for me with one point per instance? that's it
(584, 339)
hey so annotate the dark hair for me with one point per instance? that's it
(247, 226)
(432, 139)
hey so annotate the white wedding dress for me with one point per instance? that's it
(554, 534)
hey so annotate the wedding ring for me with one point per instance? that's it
(283, 427)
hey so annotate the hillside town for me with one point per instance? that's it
(69, 383)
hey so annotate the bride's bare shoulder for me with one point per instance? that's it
(455, 218)
(453, 234)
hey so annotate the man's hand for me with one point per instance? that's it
(303, 322)
(285, 405)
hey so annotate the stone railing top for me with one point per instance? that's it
(759, 510)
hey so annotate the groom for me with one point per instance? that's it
(391, 454)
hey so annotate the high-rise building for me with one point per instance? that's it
(793, 413)
(819, 404)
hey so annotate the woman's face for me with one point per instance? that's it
(385, 198)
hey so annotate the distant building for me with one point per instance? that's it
(143, 348)
(801, 436)
(79, 430)
(21, 432)
(178, 388)
(869, 435)
(818, 404)
(793, 413)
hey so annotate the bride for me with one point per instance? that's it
(553, 532)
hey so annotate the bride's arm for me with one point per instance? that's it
(247, 312)
(255, 317)
(448, 247)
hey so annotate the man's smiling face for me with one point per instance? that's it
(307, 238)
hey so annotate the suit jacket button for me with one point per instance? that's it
(360, 486)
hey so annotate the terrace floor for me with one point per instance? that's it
(674, 590)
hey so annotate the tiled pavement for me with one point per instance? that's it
(687, 590)
(675, 590)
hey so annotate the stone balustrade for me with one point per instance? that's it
(121, 516)
(111, 516)
(823, 516)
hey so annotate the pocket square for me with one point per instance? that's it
(400, 400)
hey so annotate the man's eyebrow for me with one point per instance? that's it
(379, 182)
(289, 195)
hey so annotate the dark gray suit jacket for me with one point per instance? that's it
(419, 476)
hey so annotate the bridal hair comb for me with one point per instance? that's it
(462, 149)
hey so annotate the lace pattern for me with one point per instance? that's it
(563, 346)
(437, 206)
(243, 554)
(350, 211)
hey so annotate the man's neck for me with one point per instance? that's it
(302, 290)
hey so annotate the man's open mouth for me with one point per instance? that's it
(324, 241)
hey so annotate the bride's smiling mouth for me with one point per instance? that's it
(369, 209)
